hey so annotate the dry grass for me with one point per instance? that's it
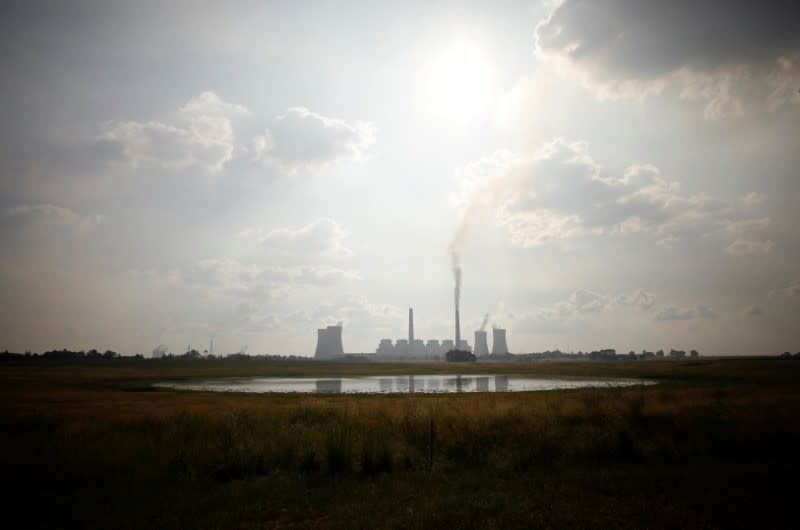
(80, 435)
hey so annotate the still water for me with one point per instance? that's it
(395, 384)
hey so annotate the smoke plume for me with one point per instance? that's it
(484, 186)
(485, 321)
(457, 279)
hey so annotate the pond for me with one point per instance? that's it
(395, 384)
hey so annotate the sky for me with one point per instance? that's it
(607, 175)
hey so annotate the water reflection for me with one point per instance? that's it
(329, 386)
(501, 383)
(395, 384)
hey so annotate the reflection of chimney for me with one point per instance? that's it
(481, 346)
(499, 346)
(411, 326)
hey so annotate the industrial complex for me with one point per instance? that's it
(329, 343)
(329, 339)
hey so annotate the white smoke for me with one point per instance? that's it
(457, 279)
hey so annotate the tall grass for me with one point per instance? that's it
(92, 453)
(511, 432)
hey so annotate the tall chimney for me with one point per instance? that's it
(411, 329)
(458, 322)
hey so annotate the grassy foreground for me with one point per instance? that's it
(92, 445)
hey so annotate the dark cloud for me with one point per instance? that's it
(623, 39)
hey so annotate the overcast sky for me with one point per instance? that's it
(617, 174)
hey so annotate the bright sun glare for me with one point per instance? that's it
(460, 81)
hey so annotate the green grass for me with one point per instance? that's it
(714, 445)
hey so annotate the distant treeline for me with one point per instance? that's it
(597, 355)
(609, 354)
(109, 354)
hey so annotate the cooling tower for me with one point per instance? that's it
(401, 347)
(499, 346)
(481, 346)
(433, 347)
(329, 343)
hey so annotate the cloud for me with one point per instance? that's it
(585, 301)
(792, 290)
(574, 314)
(743, 247)
(209, 103)
(639, 299)
(746, 225)
(199, 135)
(547, 321)
(302, 140)
(715, 51)
(685, 313)
(323, 237)
(50, 214)
(356, 312)
(562, 192)
(225, 278)
(236, 278)
(753, 199)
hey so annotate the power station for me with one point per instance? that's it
(417, 348)
(329, 341)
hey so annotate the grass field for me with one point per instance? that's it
(93, 445)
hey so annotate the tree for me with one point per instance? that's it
(459, 356)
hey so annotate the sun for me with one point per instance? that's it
(460, 79)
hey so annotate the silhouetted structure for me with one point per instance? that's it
(499, 346)
(414, 348)
(481, 346)
(411, 328)
(329, 343)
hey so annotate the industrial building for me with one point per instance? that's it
(417, 348)
(329, 343)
